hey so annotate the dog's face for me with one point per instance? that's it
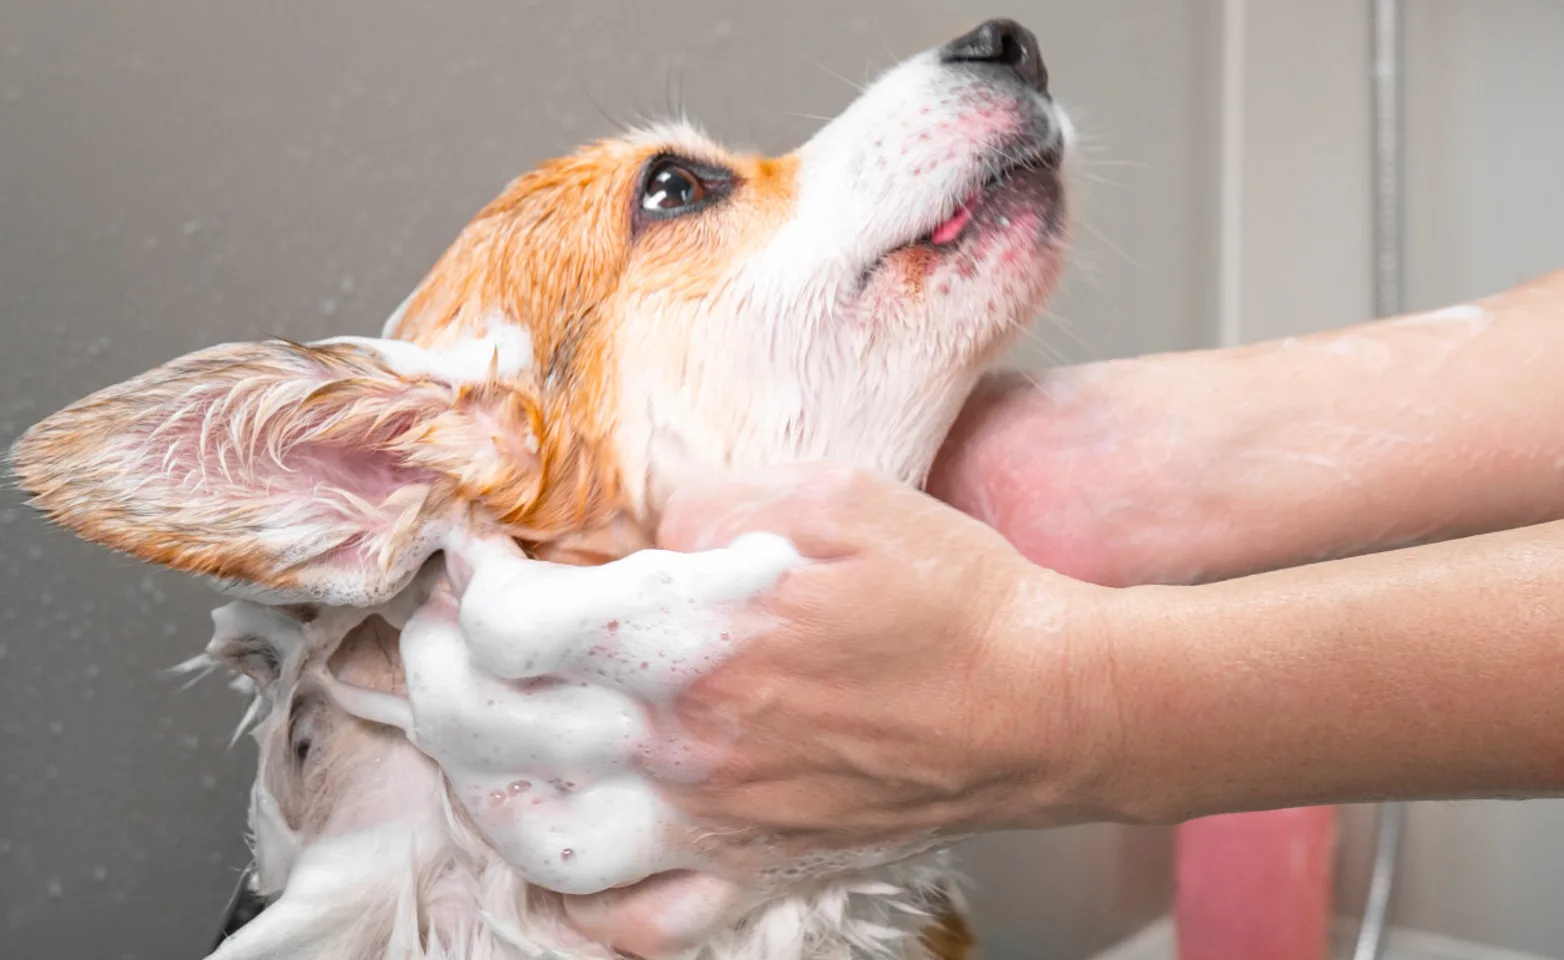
(697, 308)
(649, 308)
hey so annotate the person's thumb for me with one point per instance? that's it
(660, 917)
(808, 503)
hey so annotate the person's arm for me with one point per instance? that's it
(1435, 672)
(921, 677)
(919, 680)
(1196, 466)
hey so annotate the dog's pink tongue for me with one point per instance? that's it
(951, 229)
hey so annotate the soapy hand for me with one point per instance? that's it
(531, 685)
(913, 682)
(813, 604)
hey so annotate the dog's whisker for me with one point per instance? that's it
(1103, 238)
(860, 88)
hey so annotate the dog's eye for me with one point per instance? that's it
(671, 188)
(304, 729)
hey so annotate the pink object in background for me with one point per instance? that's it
(1256, 886)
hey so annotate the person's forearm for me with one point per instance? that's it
(1435, 672)
(1197, 466)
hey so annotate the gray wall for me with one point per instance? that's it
(179, 172)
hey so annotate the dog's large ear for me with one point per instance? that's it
(323, 472)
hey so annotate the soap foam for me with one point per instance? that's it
(530, 696)
(505, 347)
(1468, 315)
(527, 697)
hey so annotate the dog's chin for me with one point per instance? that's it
(981, 275)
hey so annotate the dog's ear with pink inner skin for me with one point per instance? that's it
(325, 472)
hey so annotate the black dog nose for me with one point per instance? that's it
(1002, 42)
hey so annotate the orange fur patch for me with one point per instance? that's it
(554, 253)
(951, 937)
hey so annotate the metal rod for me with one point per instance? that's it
(1376, 908)
(1230, 257)
(1388, 212)
(1389, 297)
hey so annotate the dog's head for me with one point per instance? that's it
(648, 308)
(690, 307)
(616, 321)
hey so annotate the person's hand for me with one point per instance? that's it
(1123, 473)
(913, 681)
(907, 679)
(527, 681)
(1087, 470)
(918, 680)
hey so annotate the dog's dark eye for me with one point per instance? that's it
(671, 188)
(303, 729)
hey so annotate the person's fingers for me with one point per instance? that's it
(442, 607)
(466, 552)
(808, 809)
(805, 502)
(660, 917)
(827, 512)
(788, 807)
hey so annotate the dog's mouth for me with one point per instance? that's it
(1020, 180)
(1002, 182)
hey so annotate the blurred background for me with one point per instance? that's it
(175, 173)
